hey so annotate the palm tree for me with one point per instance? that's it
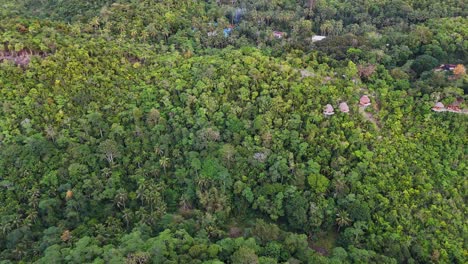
(141, 192)
(166, 33)
(133, 33)
(127, 216)
(6, 228)
(342, 219)
(122, 27)
(17, 221)
(158, 150)
(141, 215)
(358, 230)
(95, 22)
(152, 30)
(326, 28)
(50, 133)
(32, 217)
(202, 182)
(164, 162)
(144, 35)
(34, 198)
(75, 29)
(340, 186)
(19, 252)
(176, 153)
(121, 199)
(185, 202)
(106, 172)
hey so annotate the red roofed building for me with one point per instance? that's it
(453, 108)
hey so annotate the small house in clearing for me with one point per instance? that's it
(329, 110)
(438, 107)
(365, 100)
(227, 31)
(455, 107)
(344, 108)
(446, 67)
(278, 34)
(318, 38)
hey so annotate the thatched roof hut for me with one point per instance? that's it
(365, 100)
(344, 108)
(438, 107)
(329, 110)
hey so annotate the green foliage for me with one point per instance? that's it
(424, 63)
(131, 135)
(318, 183)
(244, 256)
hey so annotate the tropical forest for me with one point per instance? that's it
(233, 131)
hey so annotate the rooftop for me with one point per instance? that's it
(318, 38)
(365, 100)
(344, 108)
(329, 110)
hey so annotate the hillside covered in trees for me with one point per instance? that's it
(181, 131)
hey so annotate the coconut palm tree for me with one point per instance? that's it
(133, 33)
(144, 35)
(50, 133)
(121, 199)
(127, 216)
(342, 219)
(164, 162)
(95, 22)
(158, 150)
(106, 172)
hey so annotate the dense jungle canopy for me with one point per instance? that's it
(182, 131)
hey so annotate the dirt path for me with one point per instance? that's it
(369, 117)
(463, 112)
(22, 57)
